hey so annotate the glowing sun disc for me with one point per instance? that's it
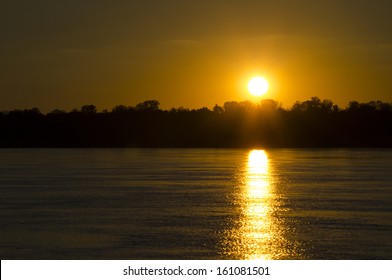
(258, 86)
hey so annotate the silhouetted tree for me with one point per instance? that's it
(353, 106)
(149, 105)
(269, 105)
(33, 111)
(121, 109)
(57, 112)
(218, 109)
(88, 109)
(231, 107)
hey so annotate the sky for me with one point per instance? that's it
(192, 53)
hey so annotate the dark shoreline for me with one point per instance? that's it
(311, 124)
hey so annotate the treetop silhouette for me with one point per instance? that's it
(311, 123)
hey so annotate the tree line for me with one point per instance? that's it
(311, 123)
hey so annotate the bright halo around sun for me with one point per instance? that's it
(258, 86)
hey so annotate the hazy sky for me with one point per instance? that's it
(192, 53)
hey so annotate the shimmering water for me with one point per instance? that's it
(195, 204)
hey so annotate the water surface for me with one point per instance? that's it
(195, 204)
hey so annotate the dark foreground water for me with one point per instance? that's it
(195, 204)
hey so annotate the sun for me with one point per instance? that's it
(258, 86)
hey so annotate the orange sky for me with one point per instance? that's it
(191, 53)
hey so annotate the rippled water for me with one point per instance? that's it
(195, 204)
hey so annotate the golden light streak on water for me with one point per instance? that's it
(257, 224)
(257, 233)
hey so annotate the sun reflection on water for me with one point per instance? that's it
(257, 233)
(257, 226)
